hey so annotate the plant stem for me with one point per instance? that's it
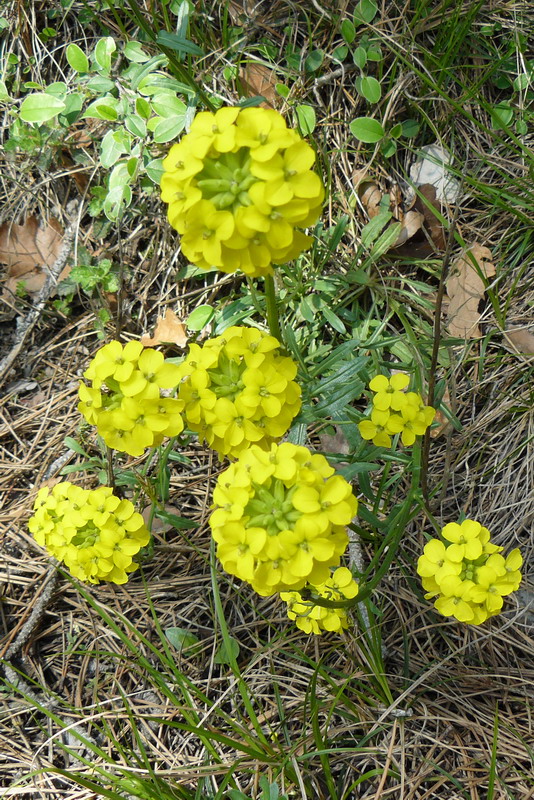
(272, 308)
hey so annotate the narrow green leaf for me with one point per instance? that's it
(178, 43)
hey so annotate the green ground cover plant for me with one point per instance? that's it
(321, 434)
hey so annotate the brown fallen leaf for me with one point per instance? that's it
(444, 424)
(335, 443)
(430, 236)
(26, 249)
(169, 330)
(521, 339)
(466, 288)
(370, 197)
(412, 222)
(256, 79)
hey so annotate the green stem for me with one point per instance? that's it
(273, 320)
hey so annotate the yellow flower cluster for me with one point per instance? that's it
(280, 516)
(94, 533)
(312, 618)
(237, 390)
(395, 411)
(467, 574)
(238, 185)
(124, 400)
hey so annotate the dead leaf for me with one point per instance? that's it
(256, 79)
(241, 10)
(336, 443)
(521, 339)
(370, 196)
(412, 222)
(430, 236)
(26, 249)
(169, 330)
(444, 424)
(466, 288)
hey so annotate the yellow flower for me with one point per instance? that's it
(243, 392)
(124, 401)
(466, 573)
(94, 533)
(279, 519)
(312, 618)
(238, 186)
(394, 411)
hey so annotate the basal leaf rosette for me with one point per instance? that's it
(395, 411)
(466, 574)
(280, 518)
(94, 533)
(124, 399)
(312, 618)
(239, 186)
(238, 389)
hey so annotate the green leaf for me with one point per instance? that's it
(181, 638)
(348, 31)
(365, 12)
(374, 53)
(360, 57)
(114, 145)
(223, 656)
(77, 58)
(410, 128)
(313, 61)
(73, 107)
(103, 51)
(396, 131)
(57, 89)
(501, 115)
(282, 89)
(40, 107)
(369, 88)
(4, 94)
(100, 85)
(136, 125)
(306, 119)
(178, 43)
(371, 231)
(340, 53)
(200, 317)
(334, 320)
(116, 199)
(142, 107)
(154, 170)
(166, 104)
(133, 51)
(386, 240)
(367, 130)
(73, 445)
(103, 108)
(167, 129)
(179, 523)
(388, 147)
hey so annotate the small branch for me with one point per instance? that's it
(36, 614)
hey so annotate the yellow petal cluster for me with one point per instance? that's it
(394, 411)
(239, 185)
(237, 390)
(279, 518)
(124, 399)
(467, 574)
(94, 533)
(312, 618)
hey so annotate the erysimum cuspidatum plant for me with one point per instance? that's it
(239, 186)
(94, 533)
(280, 518)
(124, 400)
(238, 389)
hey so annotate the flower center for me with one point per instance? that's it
(86, 536)
(271, 507)
(225, 181)
(226, 378)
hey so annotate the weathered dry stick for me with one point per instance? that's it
(51, 281)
